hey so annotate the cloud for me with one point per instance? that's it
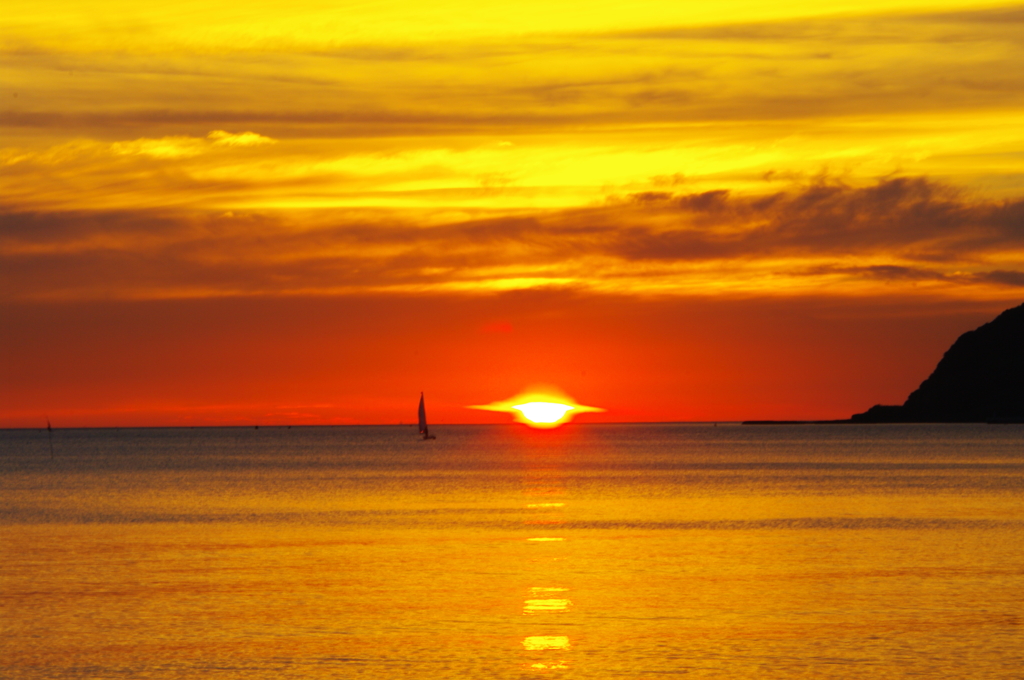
(770, 70)
(908, 232)
(164, 148)
(223, 138)
(898, 274)
(1009, 278)
(589, 113)
(180, 146)
(167, 147)
(909, 217)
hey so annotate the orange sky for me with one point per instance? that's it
(310, 212)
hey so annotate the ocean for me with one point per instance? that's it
(588, 551)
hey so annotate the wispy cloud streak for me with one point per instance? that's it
(901, 231)
(778, 70)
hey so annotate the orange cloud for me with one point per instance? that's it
(905, 234)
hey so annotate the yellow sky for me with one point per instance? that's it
(222, 27)
(456, 146)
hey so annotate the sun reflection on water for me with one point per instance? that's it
(541, 601)
(546, 653)
(542, 606)
(536, 643)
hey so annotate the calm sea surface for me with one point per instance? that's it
(591, 551)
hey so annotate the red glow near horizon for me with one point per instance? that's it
(330, 361)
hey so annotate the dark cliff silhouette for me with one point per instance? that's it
(979, 379)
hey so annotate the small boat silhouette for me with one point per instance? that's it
(424, 430)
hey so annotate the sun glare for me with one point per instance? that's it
(543, 411)
(540, 407)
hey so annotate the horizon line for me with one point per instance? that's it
(413, 424)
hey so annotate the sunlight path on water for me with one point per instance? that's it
(584, 552)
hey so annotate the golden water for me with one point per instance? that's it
(590, 551)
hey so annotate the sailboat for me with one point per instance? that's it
(423, 421)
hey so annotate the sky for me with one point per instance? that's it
(309, 212)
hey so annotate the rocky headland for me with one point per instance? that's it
(980, 379)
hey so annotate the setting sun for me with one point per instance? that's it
(540, 407)
(543, 412)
